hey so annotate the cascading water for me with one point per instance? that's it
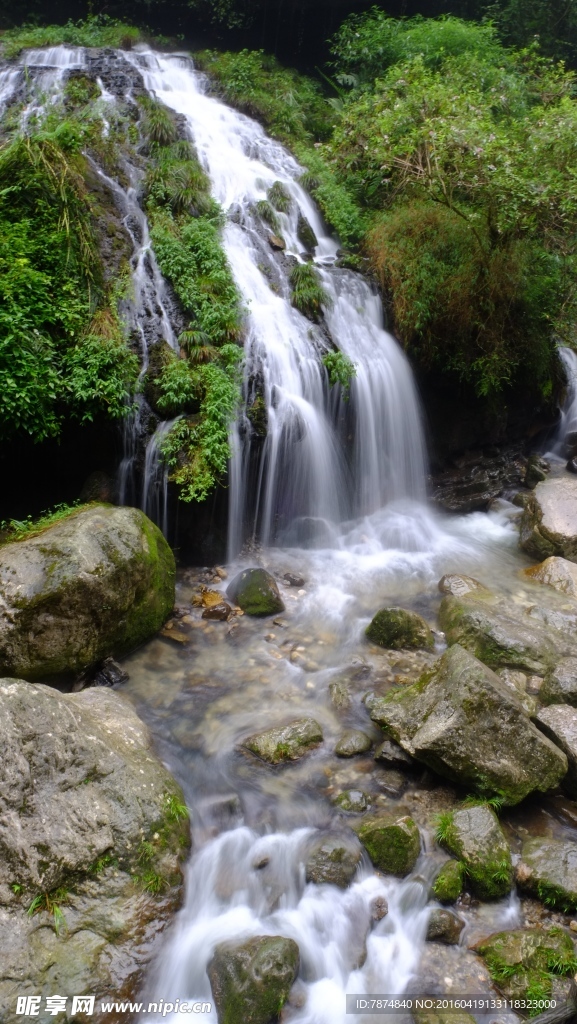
(568, 416)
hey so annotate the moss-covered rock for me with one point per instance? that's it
(560, 684)
(524, 962)
(256, 592)
(449, 883)
(495, 636)
(397, 628)
(288, 743)
(549, 520)
(352, 742)
(392, 844)
(97, 583)
(464, 723)
(305, 234)
(547, 869)
(251, 981)
(474, 836)
(444, 926)
(333, 859)
(354, 801)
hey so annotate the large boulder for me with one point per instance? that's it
(547, 869)
(496, 635)
(524, 962)
(559, 723)
(250, 981)
(560, 684)
(392, 844)
(256, 592)
(559, 573)
(99, 582)
(464, 723)
(474, 836)
(448, 884)
(288, 743)
(549, 521)
(92, 831)
(396, 628)
(333, 860)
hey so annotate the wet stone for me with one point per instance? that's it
(256, 592)
(218, 612)
(287, 743)
(353, 742)
(474, 836)
(333, 860)
(560, 684)
(559, 723)
(444, 926)
(559, 573)
(391, 754)
(379, 908)
(390, 781)
(397, 628)
(293, 580)
(448, 884)
(393, 845)
(250, 981)
(340, 694)
(354, 801)
(458, 585)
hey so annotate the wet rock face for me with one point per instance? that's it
(288, 743)
(396, 628)
(549, 522)
(560, 684)
(333, 860)
(444, 926)
(100, 582)
(463, 722)
(391, 754)
(474, 836)
(559, 573)
(559, 723)
(250, 982)
(393, 845)
(458, 586)
(527, 958)
(88, 819)
(256, 592)
(548, 870)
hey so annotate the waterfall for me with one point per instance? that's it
(568, 418)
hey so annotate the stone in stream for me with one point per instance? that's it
(353, 742)
(333, 860)
(340, 694)
(549, 521)
(536, 472)
(396, 628)
(547, 869)
(93, 825)
(448, 884)
(98, 583)
(293, 580)
(391, 754)
(353, 800)
(559, 573)
(218, 612)
(287, 743)
(444, 926)
(464, 723)
(250, 981)
(560, 684)
(392, 844)
(559, 723)
(256, 592)
(459, 585)
(305, 234)
(524, 961)
(497, 636)
(448, 971)
(474, 836)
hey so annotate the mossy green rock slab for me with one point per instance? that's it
(251, 981)
(474, 836)
(463, 722)
(256, 592)
(549, 520)
(523, 962)
(448, 884)
(392, 844)
(99, 582)
(496, 636)
(81, 792)
(287, 743)
(396, 628)
(548, 870)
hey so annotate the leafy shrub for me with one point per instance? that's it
(97, 30)
(341, 370)
(308, 295)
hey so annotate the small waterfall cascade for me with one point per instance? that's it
(305, 478)
(568, 419)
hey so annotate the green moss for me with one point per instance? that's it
(524, 963)
(448, 884)
(170, 833)
(491, 875)
(308, 294)
(396, 628)
(393, 846)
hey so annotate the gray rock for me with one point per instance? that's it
(256, 592)
(92, 828)
(340, 694)
(288, 743)
(547, 869)
(458, 585)
(559, 573)
(449, 970)
(98, 583)
(333, 860)
(397, 628)
(537, 469)
(517, 682)
(293, 580)
(444, 926)
(560, 684)
(473, 835)
(528, 955)
(391, 754)
(549, 521)
(559, 723)
(218, 612)
(392, 844)
(353, 742)
(251, 981)
(354, 801)
(463, 722)
(391, 781)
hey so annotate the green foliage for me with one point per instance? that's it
(338, 204)
(177, 385)
(267, 213)
(15, 529)
(445, 829)
(93, 31)
(556, 898)
(341, 371)
(50, 903)
(279, 197)
(528, 970)
(308, 294)
(175, 809)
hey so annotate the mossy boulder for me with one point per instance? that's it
(288, 743)
(449, 883)
(549, 520)
(305, 234)
(97, 583)
(560, 684)
(559, 573)
(444, 926)
(547, 869)
(333, 860)
(474, 836)
(396, 628)
(250, 981)
(495, 635)
(256, 592)
(353, 742)
(464, 723)
(354, 801)
(392, 844)
(91, 823)
(524, 962)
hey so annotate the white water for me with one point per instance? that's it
(568, 418)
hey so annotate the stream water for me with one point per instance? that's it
(335, 494)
